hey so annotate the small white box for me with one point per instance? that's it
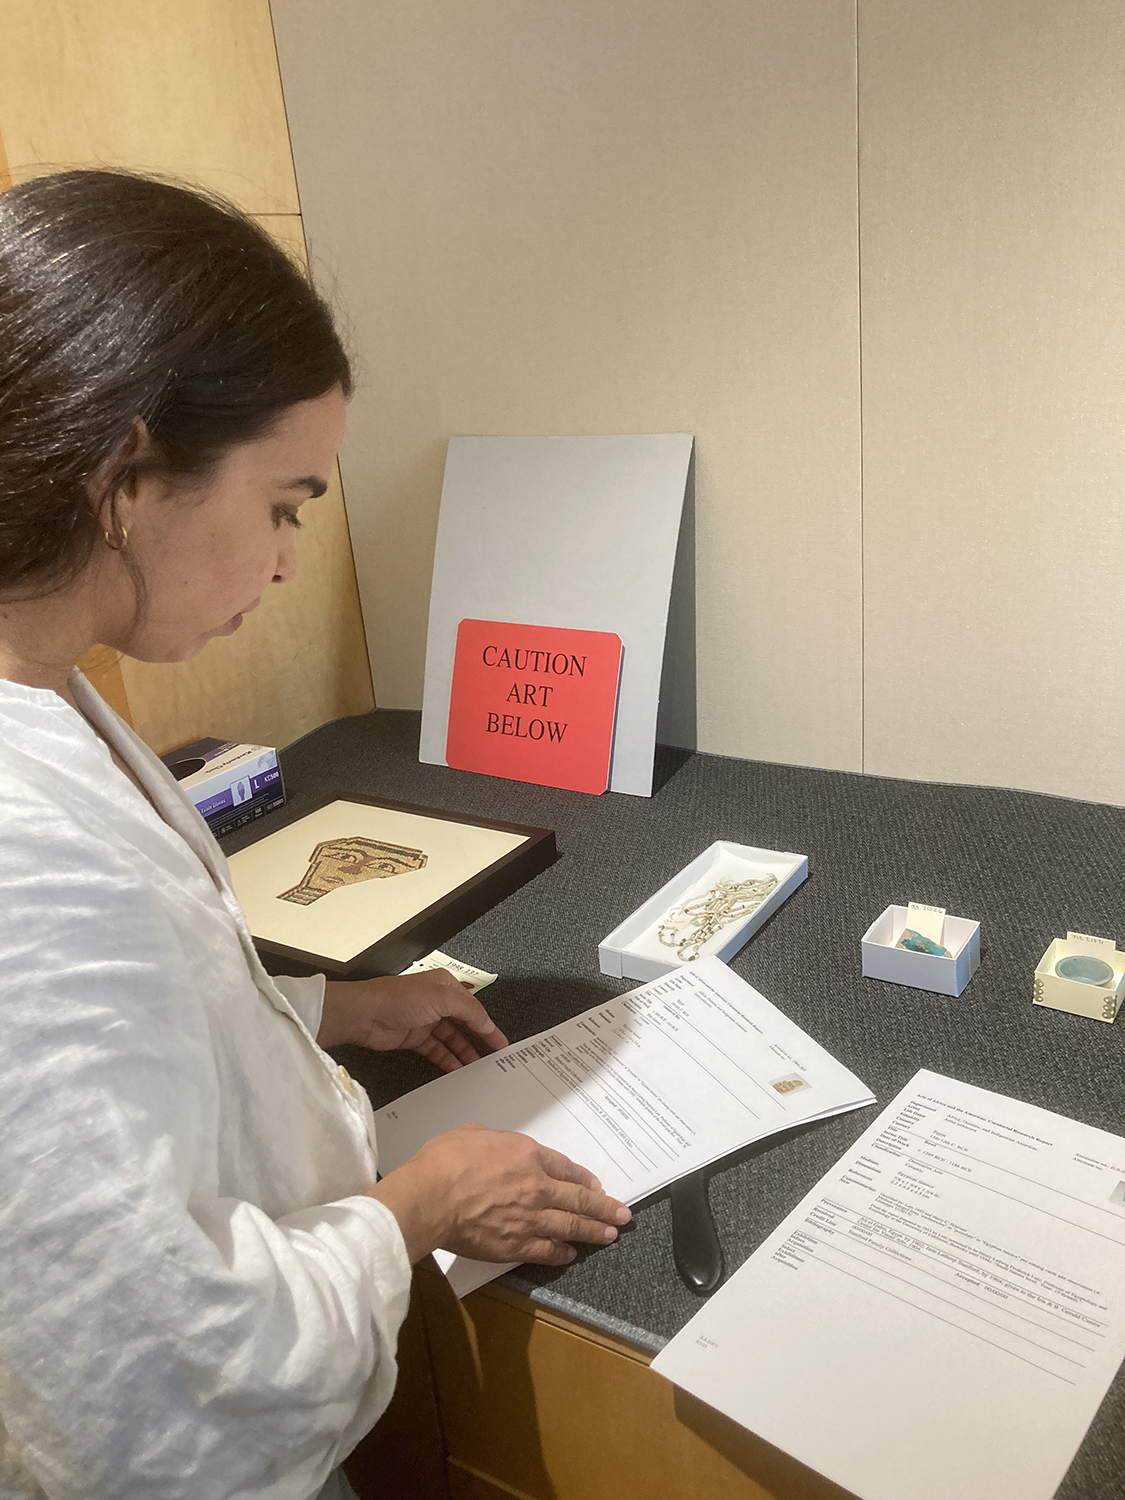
(633, 951)
(1099, 1002)
(921, 971)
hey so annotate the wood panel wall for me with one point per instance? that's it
(869, 253)
(592, 218)
(190, 89)
(993, 138)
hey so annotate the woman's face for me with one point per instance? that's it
(208, 556)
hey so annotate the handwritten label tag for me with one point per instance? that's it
(472, 979)
(1082, 942)
(928, 920)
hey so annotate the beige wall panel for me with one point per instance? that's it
(299, 660)
(993, 255)
(186, 87)
(587, 218)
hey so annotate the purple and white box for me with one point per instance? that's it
(229, 783)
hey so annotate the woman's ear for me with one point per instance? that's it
(111, 490)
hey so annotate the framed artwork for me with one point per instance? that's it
(356, 886)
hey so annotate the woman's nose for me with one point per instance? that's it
(286, 565)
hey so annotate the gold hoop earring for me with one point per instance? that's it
(117, 546)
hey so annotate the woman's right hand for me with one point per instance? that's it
(497, 1195)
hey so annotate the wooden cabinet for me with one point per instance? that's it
(191, 88)
(536, 1406)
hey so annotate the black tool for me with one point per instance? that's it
(695, 1244)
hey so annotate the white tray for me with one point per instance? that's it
(618, 953)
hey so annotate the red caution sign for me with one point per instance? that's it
(534, 703)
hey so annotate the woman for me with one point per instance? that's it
(201, 1279)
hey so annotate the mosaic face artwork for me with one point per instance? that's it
(355, 853)
(335, 863)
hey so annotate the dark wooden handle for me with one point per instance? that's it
(695, 1244)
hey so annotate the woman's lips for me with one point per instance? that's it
(232, 624)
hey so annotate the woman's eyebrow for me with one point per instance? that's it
(310, 482)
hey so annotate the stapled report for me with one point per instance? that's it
(640, 1090)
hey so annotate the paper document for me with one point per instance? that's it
(942, 1315)
(639, 1090)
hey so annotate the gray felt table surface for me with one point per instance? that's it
(1028, 867)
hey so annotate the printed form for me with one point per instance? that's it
(942, 1315)
(639, 1090)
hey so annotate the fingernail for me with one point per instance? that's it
(571, 1253)
(623, 1215)
(597, 1186)
(609, 1233)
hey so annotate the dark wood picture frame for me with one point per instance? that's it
(434, 924)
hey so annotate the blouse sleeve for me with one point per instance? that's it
(159, 1341)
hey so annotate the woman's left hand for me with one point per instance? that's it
(422, 1012)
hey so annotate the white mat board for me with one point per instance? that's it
(577, 532)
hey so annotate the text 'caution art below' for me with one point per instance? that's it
(534, 703)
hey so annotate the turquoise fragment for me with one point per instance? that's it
(919, 944)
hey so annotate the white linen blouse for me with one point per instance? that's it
(195, 1298)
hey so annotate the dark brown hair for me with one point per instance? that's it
(122, 297)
